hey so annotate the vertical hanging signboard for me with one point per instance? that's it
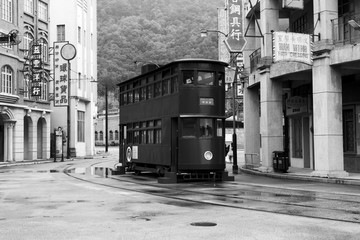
(236, 40)
(61, 78)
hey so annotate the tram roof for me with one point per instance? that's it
(174, 62)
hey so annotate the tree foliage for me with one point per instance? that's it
(157, 31)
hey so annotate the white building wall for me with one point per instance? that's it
(80, 13)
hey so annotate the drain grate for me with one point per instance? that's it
(203, 224)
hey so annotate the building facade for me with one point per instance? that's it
(113, 128)
(24, 82)
(309, 109)
(75, 22)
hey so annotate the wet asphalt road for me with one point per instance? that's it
(37, 203)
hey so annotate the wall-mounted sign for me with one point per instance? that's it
(36, 91)
(298, 4)
(236, 40)
(61, 78)
(288, 46)
(296, 105)
(207, 101)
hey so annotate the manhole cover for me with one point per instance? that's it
(203, 224)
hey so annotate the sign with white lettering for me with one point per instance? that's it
(61, 78)
(297, 4)
(235, 41)
(289, 46)
(296, 105)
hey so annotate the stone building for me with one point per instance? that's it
(24, 81)
(306, 103)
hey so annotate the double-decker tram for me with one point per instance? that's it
(172, 121)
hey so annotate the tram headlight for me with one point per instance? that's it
(208, 155)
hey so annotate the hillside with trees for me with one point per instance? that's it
(133, 33)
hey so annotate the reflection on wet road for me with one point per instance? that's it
(338, 207)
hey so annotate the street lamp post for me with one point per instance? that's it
(106, 119)
(234, 137)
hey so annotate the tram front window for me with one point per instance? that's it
(206, 127)
(206, 78)
(189, 125)
(188, 77)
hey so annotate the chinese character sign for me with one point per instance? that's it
(288, 46)
(235, 41)
(61, 78)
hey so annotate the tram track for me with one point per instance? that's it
(309, 204)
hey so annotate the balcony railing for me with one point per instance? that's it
(254, 59)
(343, 33)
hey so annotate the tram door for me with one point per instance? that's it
(174, 143)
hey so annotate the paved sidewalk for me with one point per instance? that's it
(303, 174)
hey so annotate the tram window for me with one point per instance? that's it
(157, 135)
(150, 91)
(189, 127)
(136, 137)
(143, 94)
(166, 86)
(206, 78)
(174, 85)
(136, 95)
(221, 77)
(150, 136)
(130, 97)
(143, 136)
(219, 128)
(157, 89)
(206, 127)
(188, 77)
(123, 99)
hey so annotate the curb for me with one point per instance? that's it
(303, 178)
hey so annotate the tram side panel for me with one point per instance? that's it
(151, 154)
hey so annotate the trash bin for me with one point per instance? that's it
(280, 161)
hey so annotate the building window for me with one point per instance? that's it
(116, 135)
(96, 136)
(44, 50)
(81, 126)
(44, 90)
(7, 10)
(29, 6)
(79, 34)
(42, 11)
(60, 33)
(111, 136)
(27, 40)
(6, 80)
(101, 136)
(300, 25)
(27, 86)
